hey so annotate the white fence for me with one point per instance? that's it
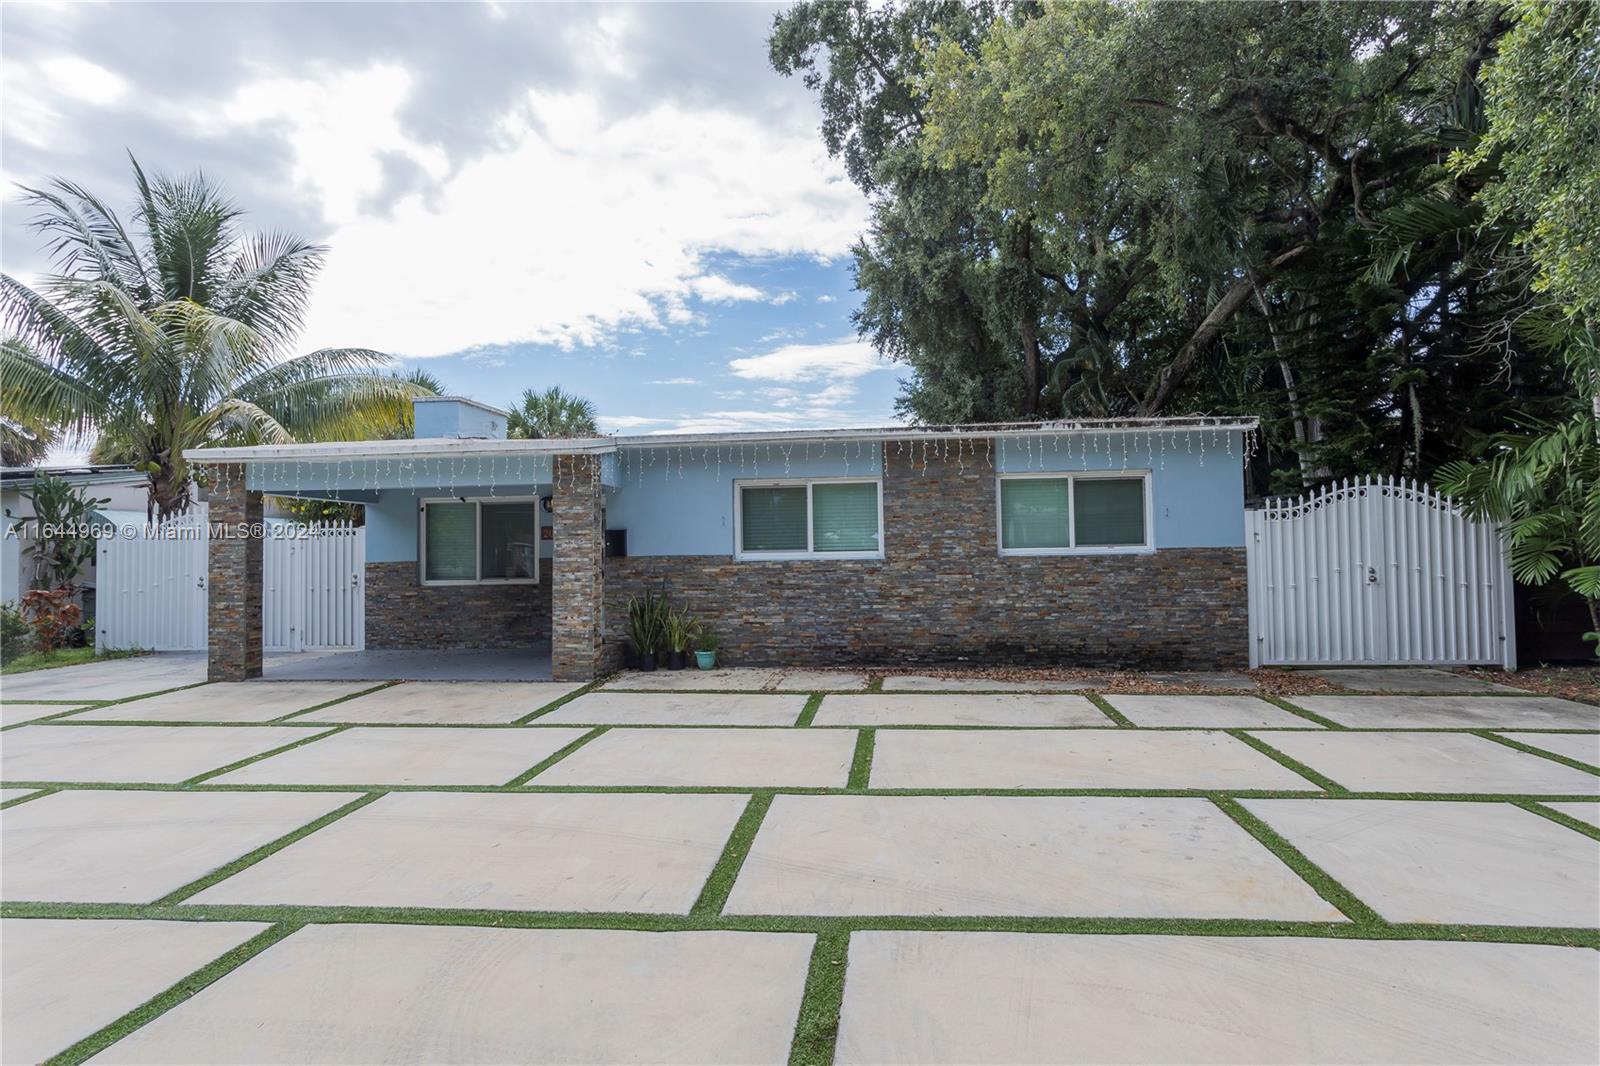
(151, 588)
(1380, 572)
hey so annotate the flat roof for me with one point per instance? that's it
(462, 399)
(447, 447)
(14, 476)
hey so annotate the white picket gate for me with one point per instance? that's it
(151, 588)
(1377, 572)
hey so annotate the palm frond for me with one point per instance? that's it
(268, 284)
(34, 393)
(82, 232)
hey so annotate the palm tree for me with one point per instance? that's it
(24, 441)
(423, 384)
(551, 413)
(177, 334)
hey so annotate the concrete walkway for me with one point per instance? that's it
(789, 866)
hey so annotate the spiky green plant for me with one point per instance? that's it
(176, 332)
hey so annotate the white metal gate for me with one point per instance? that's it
(151, 588)
(1376, 571)
(313, 588)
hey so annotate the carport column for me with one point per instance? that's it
(577, 578)
(233, 640)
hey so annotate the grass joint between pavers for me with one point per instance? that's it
(1559, 817)
(714, 895)
(240, 763)
(1299, 712)
(1322, 781)
(1109, 711)
(550, 760)
(153, 1008)
(1564, 760)
(861, 761)
(816, 1031)
(1319, 879)
(272, 847)
(541, 711)
(808, 713)
(334, 702)
(819, 924)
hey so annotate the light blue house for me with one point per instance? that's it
(1059, 542)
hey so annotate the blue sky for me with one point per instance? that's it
(787, 358)
(622, 200)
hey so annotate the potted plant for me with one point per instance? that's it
(682, 630)
(647, 617)
(705, 656)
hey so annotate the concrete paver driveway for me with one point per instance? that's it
(764, 865)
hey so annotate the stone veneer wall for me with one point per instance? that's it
(233, 577)
(943, 594)
(404, 613)
(578, 651)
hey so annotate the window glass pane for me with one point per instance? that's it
(452, 542)
(773, 520)
(510, 540)
(844, 518)
(1108, 511)
(1033, 512)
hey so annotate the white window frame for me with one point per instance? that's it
(1072, 547)
(477, 540)
(741, 555)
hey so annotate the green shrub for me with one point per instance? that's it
(16, 635)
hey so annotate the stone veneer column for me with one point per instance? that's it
(233, 594)
(577, 578)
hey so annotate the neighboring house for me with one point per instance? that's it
(1114, 542)
(124, 487)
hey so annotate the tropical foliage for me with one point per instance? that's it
(1545, 488)
(60, 529)
(551, 413)
(1108, 209)
(175, 332)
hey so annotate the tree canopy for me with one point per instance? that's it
(551, 413)
(1109, 209)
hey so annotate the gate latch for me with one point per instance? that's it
(1372, 575)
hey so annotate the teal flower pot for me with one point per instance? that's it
(705, 660)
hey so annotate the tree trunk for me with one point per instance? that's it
(170, 494)
(1307, 430)
(1028, 331)
(1172, 375)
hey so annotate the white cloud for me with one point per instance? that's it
(825, 299)
(623, 423)
(337, 130)
(78, 78)
(783, 298)
(840, 360)
(39, 95)
(577, 225)
(674, 381)
(716, 289)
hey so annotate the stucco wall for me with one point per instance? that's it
(677, 502)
